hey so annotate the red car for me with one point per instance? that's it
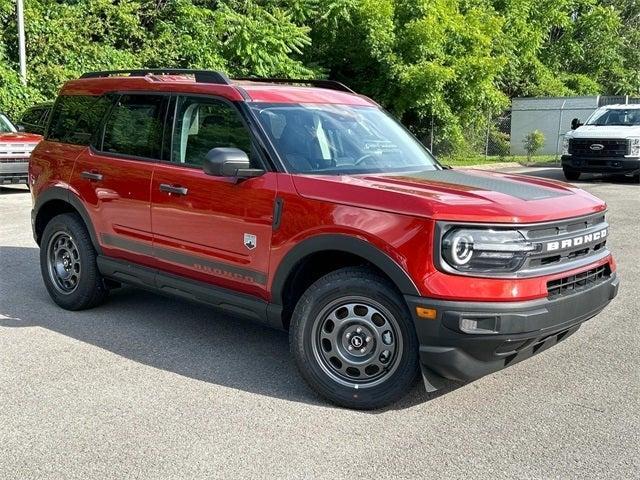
(15, 149)
(303, 205)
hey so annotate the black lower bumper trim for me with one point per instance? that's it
(510, 331)
(614, 165)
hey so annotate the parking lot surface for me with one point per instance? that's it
(154, 387)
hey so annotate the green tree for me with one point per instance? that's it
(448, 63)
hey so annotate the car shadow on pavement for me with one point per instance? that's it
(166, 333)
(5, 190)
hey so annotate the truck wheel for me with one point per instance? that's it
(68, 264)
(571, 174)
(353, 339)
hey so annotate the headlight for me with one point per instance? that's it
(634, 147)
(484, 250)
(565, 146)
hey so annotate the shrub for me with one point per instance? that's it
(533, 142)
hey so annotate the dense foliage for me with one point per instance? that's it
(451, 62)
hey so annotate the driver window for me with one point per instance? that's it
(203, 124)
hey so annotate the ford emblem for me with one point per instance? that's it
(597, 147)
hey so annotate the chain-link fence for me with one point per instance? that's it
(488, 137)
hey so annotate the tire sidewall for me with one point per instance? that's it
(312, 303)
(69, 224)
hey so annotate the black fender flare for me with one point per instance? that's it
(66, 195)
(341, 243)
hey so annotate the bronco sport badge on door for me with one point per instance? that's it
(250, 241)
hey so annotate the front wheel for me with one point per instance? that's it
(354, 341)
(571, 175)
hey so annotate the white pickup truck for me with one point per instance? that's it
(608, 142)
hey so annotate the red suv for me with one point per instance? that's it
(303, 205)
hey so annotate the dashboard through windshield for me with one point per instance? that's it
(341, 139)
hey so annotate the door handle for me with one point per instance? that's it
(165, 187)
(94, 176)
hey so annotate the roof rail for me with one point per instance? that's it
(330, 84)
(201, 76)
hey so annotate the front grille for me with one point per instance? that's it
(582, 147)
(14, 160)
(16, 150)
(580, 281)
(584, 228)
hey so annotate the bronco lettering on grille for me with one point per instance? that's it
(575, 241)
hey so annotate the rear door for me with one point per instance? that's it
(114, 176)
(213, 229)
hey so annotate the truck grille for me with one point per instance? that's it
(14, 151)
(14, 160)
(580, 281)
(581, 147)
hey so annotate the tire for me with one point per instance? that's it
(68, 264)
(345, 304)
(571, 175)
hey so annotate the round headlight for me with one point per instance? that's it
(484, 250)
(461, 249)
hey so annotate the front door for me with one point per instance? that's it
(212, 229)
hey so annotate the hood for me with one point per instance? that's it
(19, 137)
(456, 195)
(605, 131)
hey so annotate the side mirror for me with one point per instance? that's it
(575, 123)
(229, 162)
(20, 128)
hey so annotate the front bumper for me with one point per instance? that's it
(519, 330)
(14, 171)
(614, 165)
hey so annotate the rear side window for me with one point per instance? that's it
(134, 126)
(75, 118)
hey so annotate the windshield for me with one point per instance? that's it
(615, 116)
(5, 125)
(340, 139)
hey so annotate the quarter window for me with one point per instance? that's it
(202, 124)
(75, 118)
(134, 126)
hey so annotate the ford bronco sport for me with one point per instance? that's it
(15, 150)
(305, 206)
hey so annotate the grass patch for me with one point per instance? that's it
(468, 160)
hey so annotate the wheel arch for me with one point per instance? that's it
(57, 200)
(327, 253)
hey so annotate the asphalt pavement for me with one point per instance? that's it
(153, 387)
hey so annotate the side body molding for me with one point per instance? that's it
(341, 243)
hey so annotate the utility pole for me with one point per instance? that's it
(21, 48)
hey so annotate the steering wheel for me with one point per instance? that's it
(363, 158)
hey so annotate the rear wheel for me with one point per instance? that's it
(571, 174)
(68, 264)
(354, 341)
